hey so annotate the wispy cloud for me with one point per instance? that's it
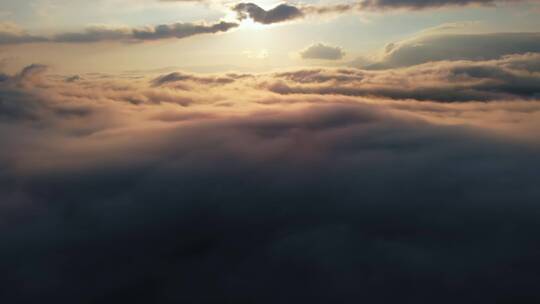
(11, 34)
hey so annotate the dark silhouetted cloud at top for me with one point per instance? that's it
(286, 12)
(280, 13)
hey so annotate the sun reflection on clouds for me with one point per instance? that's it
(252, 25)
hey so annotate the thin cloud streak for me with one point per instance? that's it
(9, 36)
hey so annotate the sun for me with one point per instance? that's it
(247, 23)
(252, 25)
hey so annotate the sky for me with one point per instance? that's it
(199, 151)
(360, 32)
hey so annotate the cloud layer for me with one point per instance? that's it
(324, 185)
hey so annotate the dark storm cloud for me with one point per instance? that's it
(330, 200)
(322, 51)
(436, 47)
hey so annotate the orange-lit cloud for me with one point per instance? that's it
(181, 179)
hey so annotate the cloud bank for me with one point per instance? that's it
(431, 47)
(325, 185)
(511, 77)
(287, 12)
